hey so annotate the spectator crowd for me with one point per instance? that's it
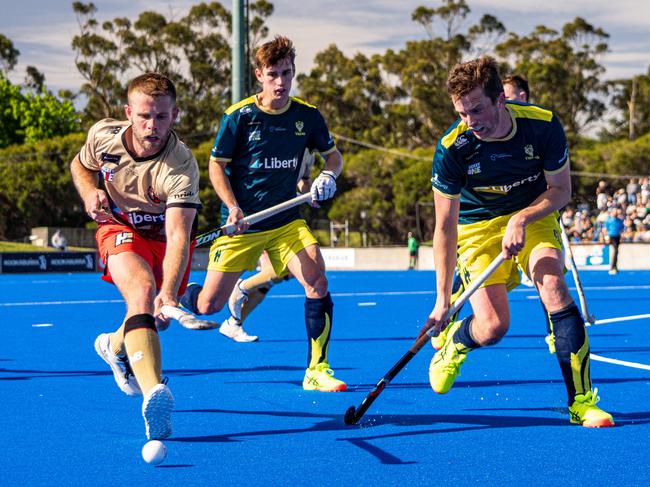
(630, 203)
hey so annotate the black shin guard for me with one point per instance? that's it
(572, 349)
(318, 319)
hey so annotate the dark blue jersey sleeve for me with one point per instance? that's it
(446, 174)
(556, 154)
(226, 140)
(320, 138)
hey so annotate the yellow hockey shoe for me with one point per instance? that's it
(321, 378)
(585, 412)
(439, 341)
(445, 364)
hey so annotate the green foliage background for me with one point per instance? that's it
(386, 111)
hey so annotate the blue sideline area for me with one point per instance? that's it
(242, 418)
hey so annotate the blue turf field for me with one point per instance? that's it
(241, 417)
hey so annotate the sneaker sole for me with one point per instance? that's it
(246, 338)
(157, 413)
(129, 391)
(601, 423)
(341, 388)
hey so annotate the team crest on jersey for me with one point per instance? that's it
(474, 168)
(460, 141)
(530, 152)
(108, 173)
(299, 126)
(152, 195)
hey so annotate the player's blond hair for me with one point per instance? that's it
(483, 72)
(152, 84)
(272, 52)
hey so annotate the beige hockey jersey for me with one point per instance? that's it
(141, 189)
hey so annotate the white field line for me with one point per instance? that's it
(294, 296)
(622, 318)
(634, 365)
(57, 303)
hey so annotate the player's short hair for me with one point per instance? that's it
(483, 72)
(152, 84)
(519, 81)
(272, 52)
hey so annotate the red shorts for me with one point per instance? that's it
(114, 239)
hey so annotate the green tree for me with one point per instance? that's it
(626, 157)
(30, 117)
(564, 70)
(194, 51)
(349, 92)
(632, 99)
(386, 187)
(36, 187)
(8, 55)
(9, 124)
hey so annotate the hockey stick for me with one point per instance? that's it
(212, 235)
(589, 319)
(353, 415)
(187, 319)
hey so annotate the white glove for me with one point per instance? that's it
(324, 187)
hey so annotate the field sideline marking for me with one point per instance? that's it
(293, 296)
(622, 318)
(634, 365)
(52, 303)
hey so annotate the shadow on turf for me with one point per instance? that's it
(436, 423)
(491, 383)
(26, 374)
(330, 423)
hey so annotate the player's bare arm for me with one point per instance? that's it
(445, 239)
(221, 185)
(557, 195)
(95, 199)
(334, 162)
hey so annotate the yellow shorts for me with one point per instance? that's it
(241, 252)
(479, 244)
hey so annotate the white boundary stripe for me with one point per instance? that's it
(53, 303)
(622, 318)
(634, 365)
(294, 296)
(587, 288)
(352, 295)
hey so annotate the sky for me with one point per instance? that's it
(42, 30)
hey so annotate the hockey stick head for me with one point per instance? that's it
(350, 417)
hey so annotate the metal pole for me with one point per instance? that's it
(238, 56)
